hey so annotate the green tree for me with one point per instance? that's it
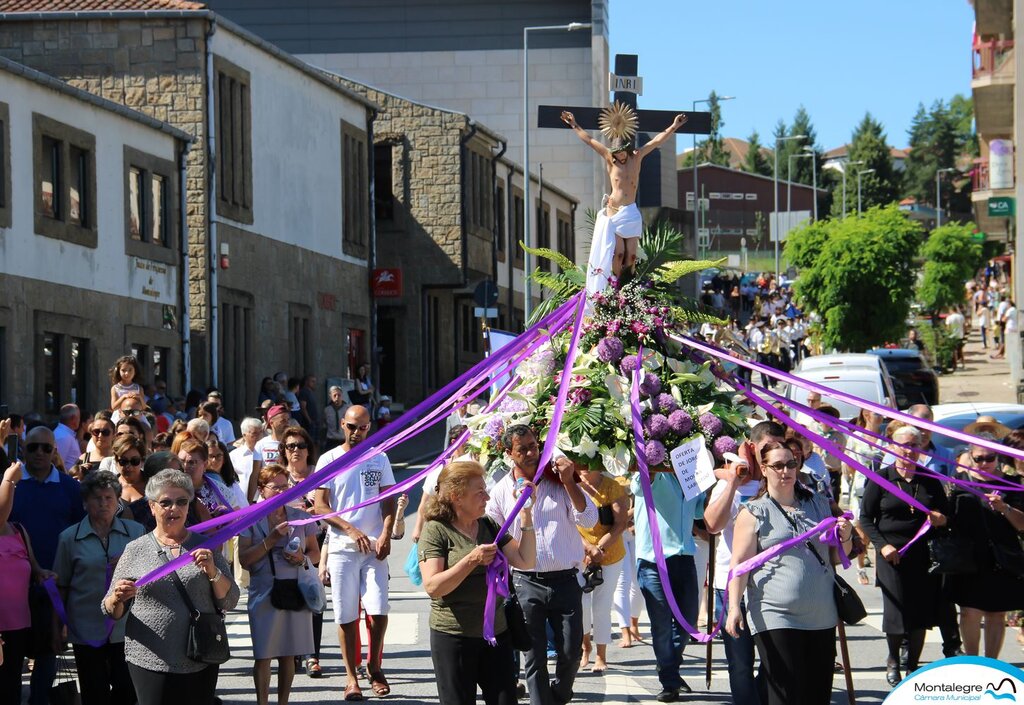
(940, 138)
(756, 162)
(858, 275)
(712, 149)
(950, 258)
(878, 188)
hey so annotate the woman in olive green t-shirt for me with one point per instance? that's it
(455, 548)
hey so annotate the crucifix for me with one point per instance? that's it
(618, 226)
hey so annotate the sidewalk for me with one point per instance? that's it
(984, 380)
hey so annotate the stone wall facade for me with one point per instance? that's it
(155, 67)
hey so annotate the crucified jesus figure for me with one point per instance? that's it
(618, 226)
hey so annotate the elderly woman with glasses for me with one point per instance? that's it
(993, 522)
(156, 632)
(268, 551)
(790, 608)
(86, 555)
(911, 597)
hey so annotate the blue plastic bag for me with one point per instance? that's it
(412, 566)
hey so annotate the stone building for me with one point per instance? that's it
(448, 208)
(276, 189)
(90, 241)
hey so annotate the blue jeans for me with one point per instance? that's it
(668, 637)
(739, 653)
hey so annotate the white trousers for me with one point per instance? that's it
(597, 605)
(628, 600)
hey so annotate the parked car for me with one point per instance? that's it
(863, 382)
(840, 360)
(960, 414)
(914, 380)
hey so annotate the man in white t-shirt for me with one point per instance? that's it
(268, 448)
(360, 542)
(729, 494)
(243, 458)
(955, 327)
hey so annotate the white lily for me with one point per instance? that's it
(587, 446)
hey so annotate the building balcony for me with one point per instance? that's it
(993, 17)
(992, 63)
(982, 183)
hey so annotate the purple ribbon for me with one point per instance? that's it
(436, 405)
(830, 536)
(495, 568)
(50, 585)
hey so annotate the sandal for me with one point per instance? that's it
(353, 692)
(379, 684)
(313, 669)
(862, 576)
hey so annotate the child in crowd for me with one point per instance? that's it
(124, 378)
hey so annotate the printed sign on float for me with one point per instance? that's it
(693, 466)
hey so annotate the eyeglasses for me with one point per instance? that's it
(788, 465)
(36, 447)
(131, 412)
(357, 427)
(275, 488)
(168, 503)
(296, 446)
(97, 432)
(134, 462)
(975, 458)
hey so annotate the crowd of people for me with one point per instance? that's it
(90, 506)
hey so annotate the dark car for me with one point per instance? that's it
(914, 380)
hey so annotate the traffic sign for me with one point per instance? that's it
(1001, 206)
(486, 294)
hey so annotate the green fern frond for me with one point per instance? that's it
(557, 284)
(672, 271)
(691, 314)
(563, 262)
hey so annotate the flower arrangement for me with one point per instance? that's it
(679, 398)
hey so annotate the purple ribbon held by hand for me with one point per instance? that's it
(497, 586)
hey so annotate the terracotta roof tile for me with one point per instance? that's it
(26, 6)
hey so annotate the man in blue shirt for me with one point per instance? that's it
(674, 515)
(46, 502)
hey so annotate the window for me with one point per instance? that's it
(477, 191)
(151, 186)
(79, 377)
(236, 350)
(233, 124)
(383, 188)
(5, 167)
(300, 355)
(65, 370)
(470, 332)
(566, 245)
(51, 356)
(517, 227)
(502, 226)
(543, 234)
(355, 196)
(64, 165)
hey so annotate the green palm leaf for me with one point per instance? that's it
(563, 262)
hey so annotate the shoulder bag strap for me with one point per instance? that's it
(177, 582)
(270, 552)
(796, 529)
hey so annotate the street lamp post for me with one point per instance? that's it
(860, 174)
(789, 182)
(938, 194)
(776, 179)
(846, 166)
(814, 178)
(693, 155)
(527, 206)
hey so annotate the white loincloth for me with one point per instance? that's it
(626, 223)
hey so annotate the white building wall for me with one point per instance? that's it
(296, 149)
(105, 268)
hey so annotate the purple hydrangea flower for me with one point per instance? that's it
(510, 405)
(680, 422)
(610, 350)
(656, 426)
(710, 424)
(651, 385)
(665, 403)
(655, 453)
(723, 445)
(495, 427)
(629, 364)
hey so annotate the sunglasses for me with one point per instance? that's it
(976, 458)
(97, 432)
(35, 447)
(296, 446)
(357, 427)
(788, 465)
(134, 462)
(168, 503)
(131, 412)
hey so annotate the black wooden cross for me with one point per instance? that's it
(649, 120)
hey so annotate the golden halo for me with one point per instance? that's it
(618, 122)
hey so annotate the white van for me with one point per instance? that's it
(832, 362)
(870, 385)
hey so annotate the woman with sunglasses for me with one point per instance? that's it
(790, 608)
(911, 597)
(993, 522)
(156, 636)
(101, 430)
(263, 549)
(129, 455)
(297, 450)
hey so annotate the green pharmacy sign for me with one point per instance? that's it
(1001, 206)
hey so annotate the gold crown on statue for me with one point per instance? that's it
(618, 122)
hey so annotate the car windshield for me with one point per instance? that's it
(896, 365)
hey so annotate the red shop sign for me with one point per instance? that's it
(387, 283)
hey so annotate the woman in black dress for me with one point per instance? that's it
(911, 598)
(994, 525)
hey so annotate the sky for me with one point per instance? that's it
(837, 58)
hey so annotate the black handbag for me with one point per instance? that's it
(950, 553)
(849, 607)
(605, 515)
(516, 621)
(207, 632)
(285, 593)
(64, 690)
